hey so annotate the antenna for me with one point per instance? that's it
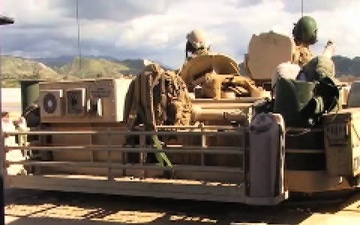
(302, 8)
(78, 32)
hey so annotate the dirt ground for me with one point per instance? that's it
(44, 207)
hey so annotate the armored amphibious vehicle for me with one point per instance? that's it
(232, 151)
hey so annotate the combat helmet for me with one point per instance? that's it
(196, 41)
(305, 30)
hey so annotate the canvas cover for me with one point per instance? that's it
(292, 98)
(302, 103)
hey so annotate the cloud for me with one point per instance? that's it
(112, 10)
(157, 29)
(37, 44)
(243, 3)
(33, 12)
(315, 6)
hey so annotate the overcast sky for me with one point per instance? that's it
(156, 29)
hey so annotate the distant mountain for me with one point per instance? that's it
(66, 68)
(55, 62)
(16, 68)
(60, 61)
(346, 66)
(135, 65)
(101, 68)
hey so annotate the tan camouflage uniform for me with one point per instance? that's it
(302, 55)
(198, 52)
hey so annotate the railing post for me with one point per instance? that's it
(143, 155)
(109, 161)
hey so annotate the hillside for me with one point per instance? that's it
(347, 66)
(15, 69)
(100, 68)
(56, 62)
(91, 68)
(67, 68)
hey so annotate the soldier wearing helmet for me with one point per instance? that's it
(196, 44)
(304, 34)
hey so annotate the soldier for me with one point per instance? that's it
(304, 34)
(196, 44)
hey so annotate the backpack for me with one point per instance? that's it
(159, 97)
(171, 100)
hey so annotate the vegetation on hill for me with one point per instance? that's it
(346, 66)
(93, 68)
(15, 69)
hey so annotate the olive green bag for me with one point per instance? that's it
(292, 97)
(302, 103)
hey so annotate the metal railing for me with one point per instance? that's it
(143, 147)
